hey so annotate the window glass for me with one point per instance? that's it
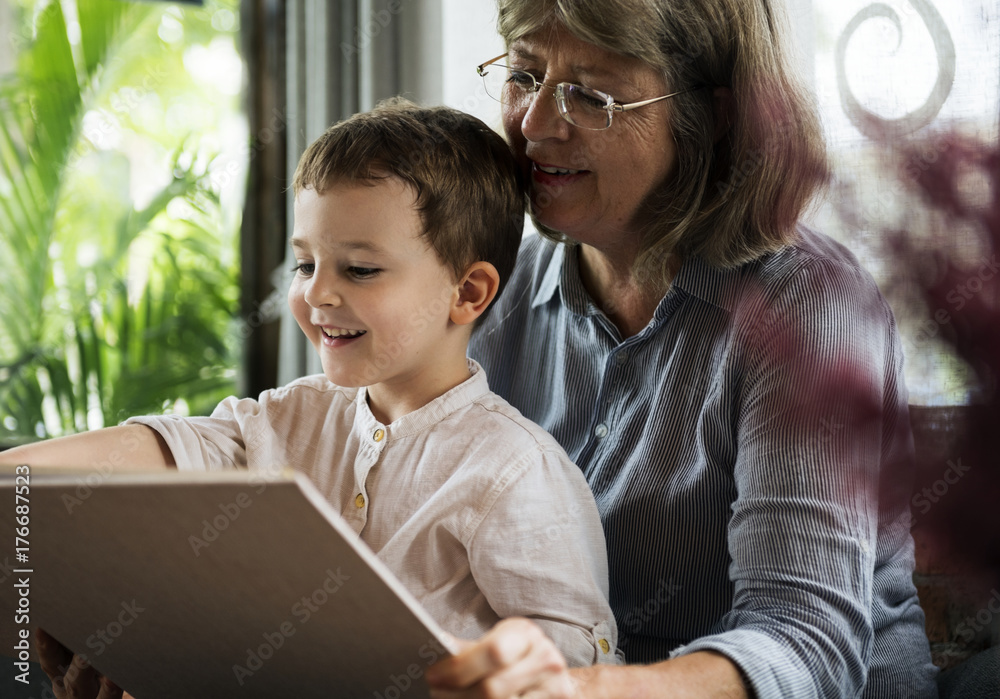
(122, 170)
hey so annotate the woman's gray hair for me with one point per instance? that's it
(729, 199)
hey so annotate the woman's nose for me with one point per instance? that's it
(541, 119)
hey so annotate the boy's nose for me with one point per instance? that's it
(323, 293)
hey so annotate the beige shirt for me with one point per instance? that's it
(477, 510)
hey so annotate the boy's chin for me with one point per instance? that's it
(346, 381)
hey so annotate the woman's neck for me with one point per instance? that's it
(609, 281)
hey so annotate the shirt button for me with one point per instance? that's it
(621, 358)
(360, 500)
(378, 434)
(601, 431)
(605, 646)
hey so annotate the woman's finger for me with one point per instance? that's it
(81, 681)
(71, 675)
(55, 659)
(109, 690)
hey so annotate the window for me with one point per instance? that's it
(119, 211)
(916, 70)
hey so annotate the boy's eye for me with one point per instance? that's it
(363, 272)
(304, 268)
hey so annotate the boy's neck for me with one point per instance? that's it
(389, 402)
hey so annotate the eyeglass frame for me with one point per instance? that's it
(559, 92)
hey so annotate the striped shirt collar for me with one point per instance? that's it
(696, 278)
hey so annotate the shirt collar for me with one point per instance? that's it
(714, 285)
(551, 278)
(423, 418)
(563, 273)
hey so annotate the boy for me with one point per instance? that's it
(407, 225)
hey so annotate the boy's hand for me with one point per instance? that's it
(514, 659)
(72, 676)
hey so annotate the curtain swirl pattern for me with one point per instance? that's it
(887, 75)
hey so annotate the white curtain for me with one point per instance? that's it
(886, 74)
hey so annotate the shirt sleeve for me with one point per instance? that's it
(539, 553)
(819, 385)
(213, 443)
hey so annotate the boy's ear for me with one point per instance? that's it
(476, 290)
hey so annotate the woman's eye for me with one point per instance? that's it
(304, 268)
(591, 100)
(363, 272)
(521, 79)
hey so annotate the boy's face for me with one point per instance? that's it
(370, 294)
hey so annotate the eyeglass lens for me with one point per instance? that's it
(578, 105)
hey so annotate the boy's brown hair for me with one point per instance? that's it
(470, 193)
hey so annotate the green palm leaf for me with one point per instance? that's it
(89, 341)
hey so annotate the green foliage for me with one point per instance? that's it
(112, 303)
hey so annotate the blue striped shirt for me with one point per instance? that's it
(749, 451)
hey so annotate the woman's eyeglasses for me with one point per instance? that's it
(580, 106)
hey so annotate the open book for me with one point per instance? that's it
(211, 585)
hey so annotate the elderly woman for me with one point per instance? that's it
(729, 381)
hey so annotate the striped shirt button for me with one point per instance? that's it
(601, 431)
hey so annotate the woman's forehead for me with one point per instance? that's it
(579, 57)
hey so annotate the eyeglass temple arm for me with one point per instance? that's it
(481, 66)
(635, 105)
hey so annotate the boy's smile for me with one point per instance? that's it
(373, 297)
(341, 335)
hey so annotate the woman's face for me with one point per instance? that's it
(589, 185)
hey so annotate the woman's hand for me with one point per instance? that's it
(514, 659)
(72, 676)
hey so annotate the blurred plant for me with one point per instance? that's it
(955, 273)
(112, 302)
